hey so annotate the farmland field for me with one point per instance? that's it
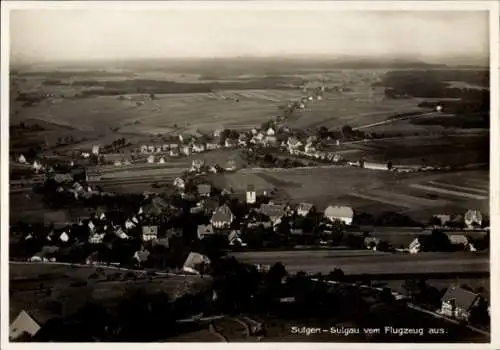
(368, 262)
(367, 190)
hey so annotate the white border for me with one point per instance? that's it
(491, 5)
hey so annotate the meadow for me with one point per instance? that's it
(369, 262)
(33, 286)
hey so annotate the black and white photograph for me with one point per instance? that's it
(233, 172)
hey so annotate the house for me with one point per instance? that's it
(341, 213)
(186, 150)
(270, 140)
(254, 131)
(131, 223)
(230, 143)
(205, 230)
(141, 256)
(371, 243)
(94, 259)
(222, 217)
(149, 233)
(473, 218)
(144, 149)
(458, 302)
(165, 147)
(197, 164)
(230, 165)
(212, 169)
(151, 159)
(260, 137)
(96, 238)
(158, 149)
(151, 149)
(310, 148)
(270, 132)
(174, 152)
(198, 148)
(234, 239)
(196, 263)
(21, 159)
(273, 211)
(29, 323)
(36, 165)
(415, 246)
(293, 144)
(212, 146)
(304, 209)
(251, 194)
(375, 166)
(120, 233)
(204, 190)
(64, 237)
(179, 183)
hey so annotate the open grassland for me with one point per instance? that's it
(367, 262)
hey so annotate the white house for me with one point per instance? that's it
(151, 159)
(120, 233)
(222, 217)
(304, 209)
(415, 246)
(270, 132)
(91, 226)
(341, 213)
(204, 231)
(151, 148)
(251, 195)
(96, 238)
(22, 324)
(21, 159)
(458, 302)
(186, 150)
(149, 233)
(162, 160)
(197, 164)
(310, 148)
(144, 149)
(473, 218)
(129, 224)
(36, 165)
(95, 150)
(198, 147)
(179, 183)
(64, 237)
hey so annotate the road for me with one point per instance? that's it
(390, 121)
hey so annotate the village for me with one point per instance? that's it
(156, 230)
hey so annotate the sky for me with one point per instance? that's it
(91, 34)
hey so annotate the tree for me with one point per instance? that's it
(347, 132)
(322, 132)
(336, 275)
